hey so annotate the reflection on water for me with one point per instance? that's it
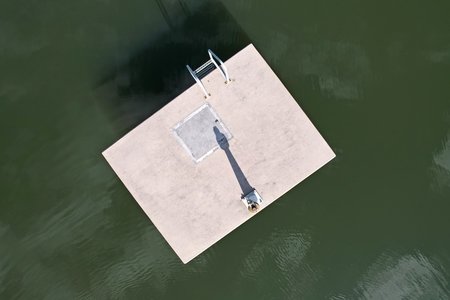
(137, 265)
(411, 276)
(323, 60)
(282, 254)
(277, 46)
(15, 44)
(5, 260)
(439, 56)
(441, 167)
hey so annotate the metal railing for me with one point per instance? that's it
(213, 62)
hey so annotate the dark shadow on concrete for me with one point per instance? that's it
(225, 146)
(134, 89)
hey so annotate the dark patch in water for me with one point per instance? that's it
(154, 75)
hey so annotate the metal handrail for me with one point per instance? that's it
(193, 74)
(222, 68)
(203, 71)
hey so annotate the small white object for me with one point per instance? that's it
(252, 201)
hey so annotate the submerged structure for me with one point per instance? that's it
(220, 152)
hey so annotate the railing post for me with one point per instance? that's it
(222, 68)
(198, 81)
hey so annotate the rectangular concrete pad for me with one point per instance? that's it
(196, 134)
(194, 205)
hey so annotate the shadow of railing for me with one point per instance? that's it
(135, 89)
(225, 146)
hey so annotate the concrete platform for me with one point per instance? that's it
(189, 184)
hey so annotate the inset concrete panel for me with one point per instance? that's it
(195, 132)
(195, 202)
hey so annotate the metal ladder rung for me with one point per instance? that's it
(202, 73)
(206, 64)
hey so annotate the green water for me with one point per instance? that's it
(373, 77)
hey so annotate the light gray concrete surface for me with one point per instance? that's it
(274, 143)
(196, 135)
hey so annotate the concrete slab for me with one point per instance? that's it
(195, 199)
(195, 132)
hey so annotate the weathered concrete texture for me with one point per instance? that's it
(194, 205)
(196, 133)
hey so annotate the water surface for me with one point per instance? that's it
(373, 77)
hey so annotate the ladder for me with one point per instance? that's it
(213, 62)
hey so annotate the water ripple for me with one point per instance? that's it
(282, 253)
(412, 276)
(441, 166)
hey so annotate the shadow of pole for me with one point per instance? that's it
(225, 146)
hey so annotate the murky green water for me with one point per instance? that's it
(373, 77)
